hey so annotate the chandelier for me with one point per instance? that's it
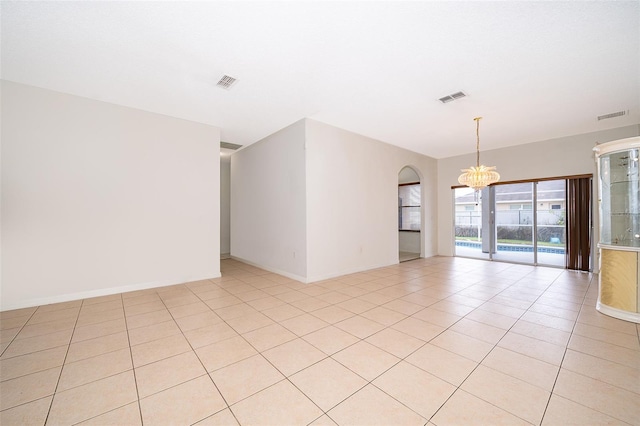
(478, 177)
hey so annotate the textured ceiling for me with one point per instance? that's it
(533, 70)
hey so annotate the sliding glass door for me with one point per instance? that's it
(551, 222)
(468, 224)
(515, 222)
(522, 222)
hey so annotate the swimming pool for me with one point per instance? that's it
(513, 247)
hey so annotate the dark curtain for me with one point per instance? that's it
(579, 223)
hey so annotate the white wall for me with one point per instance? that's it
(225, 206)
(99, 198)
(352, 201)
(567, 156)
(268, 206)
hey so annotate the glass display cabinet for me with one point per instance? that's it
(619, 204)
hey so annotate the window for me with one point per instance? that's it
(470, 208)
(409, 207)
(556, 207)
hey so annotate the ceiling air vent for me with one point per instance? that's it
(226, 82)
(229, 145)
(612, 115)
(452, 97)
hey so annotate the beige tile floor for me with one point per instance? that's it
(438, 341)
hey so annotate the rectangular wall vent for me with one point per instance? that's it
(612, 115)
(229, 145)
(226, 82)
(452, 97)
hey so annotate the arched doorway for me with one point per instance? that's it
(409, 214)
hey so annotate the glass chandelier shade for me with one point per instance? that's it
(480, 176)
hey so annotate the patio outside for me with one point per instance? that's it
(514, 229)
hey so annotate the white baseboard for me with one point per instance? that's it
(99, 292)
(323, 277)
(618, 313)
(309, 280)
(270, 269)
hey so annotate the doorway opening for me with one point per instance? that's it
(409, 214)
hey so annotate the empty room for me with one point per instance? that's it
(320, 213)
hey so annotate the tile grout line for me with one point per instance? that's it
(285, 378)
(111, 375)
(63, 364)
(19, 331)
(207, 373)
(575, 322)
(562, 362)
(525, 311)
(61, 367)
(133, 368)
(370, 382)
(494, 346)
(417, 349)
(555, 381)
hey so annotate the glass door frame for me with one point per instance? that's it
(491, 222)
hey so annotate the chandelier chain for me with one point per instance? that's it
(477, 120)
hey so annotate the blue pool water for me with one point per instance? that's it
(513, 247)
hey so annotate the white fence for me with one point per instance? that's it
(513, 218)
